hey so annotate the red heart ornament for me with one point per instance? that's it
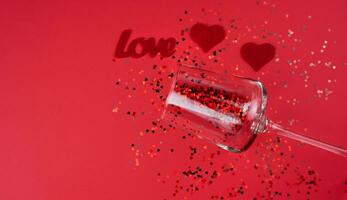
(205, 36)
(257, 55)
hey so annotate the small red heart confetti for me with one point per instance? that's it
(205, 36)
(257, 55)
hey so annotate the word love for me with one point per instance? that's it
(142, 46)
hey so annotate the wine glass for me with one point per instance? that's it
(226, 110)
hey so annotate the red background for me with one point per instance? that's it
(60, 137)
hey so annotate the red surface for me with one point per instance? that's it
(59, 138)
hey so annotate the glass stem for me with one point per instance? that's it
(273, 127)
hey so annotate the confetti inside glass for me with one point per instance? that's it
(228, 111)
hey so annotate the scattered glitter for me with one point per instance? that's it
(269, 159)
(290, 33)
